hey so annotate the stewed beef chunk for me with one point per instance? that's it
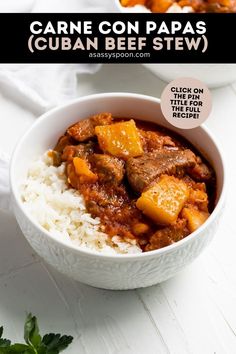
(108, 168)
(201, 172)
(56, 153)
(168, 235)
(143, 170)
(84, 130)
(80, 150)
(153, 141)
(63, 141)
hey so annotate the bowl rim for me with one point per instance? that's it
(91, 253)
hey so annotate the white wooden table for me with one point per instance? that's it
(193, 313)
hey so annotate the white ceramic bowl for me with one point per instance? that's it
(213, 75)
(119, 271)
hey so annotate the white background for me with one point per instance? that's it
(193, 313)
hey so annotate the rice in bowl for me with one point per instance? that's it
(61, 210)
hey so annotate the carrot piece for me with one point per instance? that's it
(130, 3)
(82, 169)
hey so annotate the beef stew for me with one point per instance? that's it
(143, 182)
(200, 6)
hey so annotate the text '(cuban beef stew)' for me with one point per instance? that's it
(142, 181)
(200, 6)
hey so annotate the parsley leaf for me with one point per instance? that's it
(20, 349)
(50, 344)
(31, 332)
(56, 343)
(3, 342)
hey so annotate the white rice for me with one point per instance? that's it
(61, 210)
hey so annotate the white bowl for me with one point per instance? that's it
(213, 75)
(118, 271)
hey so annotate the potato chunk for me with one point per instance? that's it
(194, 217)
(120, 139)
(164, 200)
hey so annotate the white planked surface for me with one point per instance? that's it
(193, 313)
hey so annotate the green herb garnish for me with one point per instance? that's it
(35, 344)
